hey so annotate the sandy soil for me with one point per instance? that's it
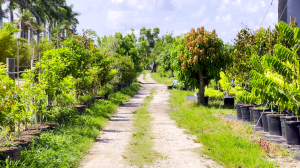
(169, 140)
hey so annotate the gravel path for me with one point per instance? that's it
(169, 140)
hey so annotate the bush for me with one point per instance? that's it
(212, 93)
(125, 70)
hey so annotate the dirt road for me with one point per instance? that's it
(169, 140)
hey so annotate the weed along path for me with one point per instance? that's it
(170, 147)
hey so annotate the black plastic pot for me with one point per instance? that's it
(274, 124)
(99, 97)
(256, 114)
(245, 110)
(238, 111)
(265, 121)
(292, 132)
(14, 154)
(80, 109)
(283, 119)
(206, 100)
(251, 116)
(228, 101)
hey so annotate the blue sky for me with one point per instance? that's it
(179, 16)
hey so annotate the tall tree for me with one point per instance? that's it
(2, 13)
(149, 36)
(199, 58)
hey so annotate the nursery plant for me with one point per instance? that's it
(199, 58)
(247, 43)
(225, 83)
(276, 76)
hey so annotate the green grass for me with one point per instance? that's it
(69, 143)
(228, 143)
(140, 152)
(166, 81)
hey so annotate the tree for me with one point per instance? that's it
(247, 43)
(276, 77)
(199, 58)
(2, 13)
(149, 36)
(163, 51)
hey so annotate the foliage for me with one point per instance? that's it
(6, 42)
(125, 70)
(224, 82)
(212, 93)
(147, 42)
(247, 43)
(201, 57)
(235, 91)
(68, 143)
(161, 71)
(164, 59)
(7, 98)
(275, 77)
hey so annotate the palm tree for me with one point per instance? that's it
(24, 22)
(2, 12)
(37, 30)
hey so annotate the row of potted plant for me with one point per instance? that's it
(279, 123)
(73, 76)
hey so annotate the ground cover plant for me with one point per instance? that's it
(68, 144)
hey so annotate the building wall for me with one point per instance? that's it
(281, 6)
(293, 10)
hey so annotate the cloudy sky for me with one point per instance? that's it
(179, 16)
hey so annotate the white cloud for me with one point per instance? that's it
(252, 7)
(168, 18)
(227, 18)
(114, 15)
(226, 1)
(205, 22)
(117, 1)
(199, 12)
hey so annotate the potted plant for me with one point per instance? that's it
(249, 100)
(226, 86)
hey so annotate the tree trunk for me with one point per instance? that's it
(49, 32)
(44, 32)
(29, 35)
(22, 26)
(63, 33)
(38, 37)
(11, 2)
(201, 100)
(67, 33)
(1, 16)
